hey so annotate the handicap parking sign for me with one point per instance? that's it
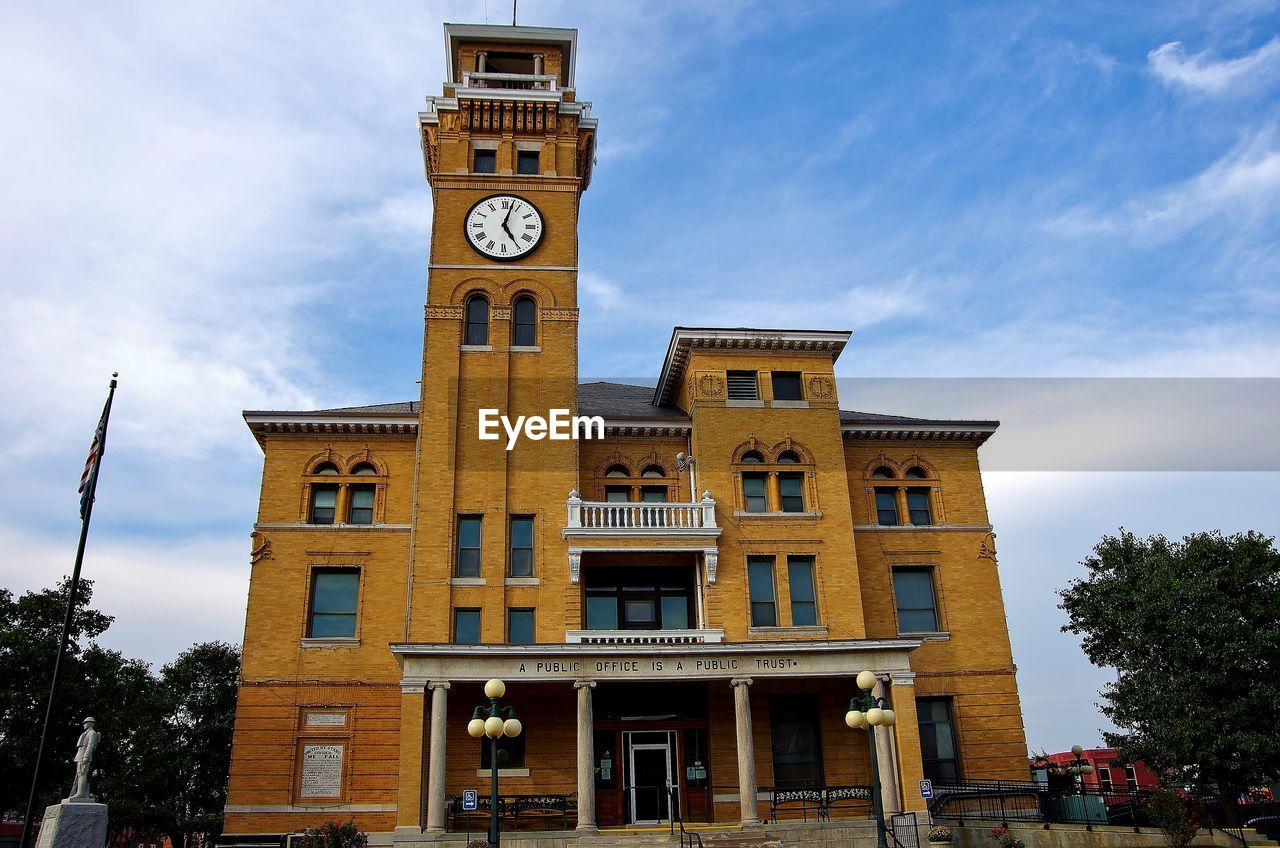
(926, 788)
(470, 799)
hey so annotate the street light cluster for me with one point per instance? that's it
(1079, 766)
(863, 712)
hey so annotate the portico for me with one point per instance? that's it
(649, 726)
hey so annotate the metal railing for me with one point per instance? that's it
(853, 800)
(515, 812)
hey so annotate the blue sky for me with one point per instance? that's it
(226, 203)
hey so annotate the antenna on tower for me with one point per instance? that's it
(513, 11)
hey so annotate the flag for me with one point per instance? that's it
(96, 449)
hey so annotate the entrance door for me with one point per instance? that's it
(650, 783)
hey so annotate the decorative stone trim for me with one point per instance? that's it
(449, 312)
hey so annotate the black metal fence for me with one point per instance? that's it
(515, 812)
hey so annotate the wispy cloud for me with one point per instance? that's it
(1202, 72)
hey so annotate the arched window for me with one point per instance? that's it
(525, 331)
(753, 457)
(617, 471)
(882, 473)
(477, 311)
(653, 471)
(916, 473)
(365, 469)
(328, 469)
(788, 458)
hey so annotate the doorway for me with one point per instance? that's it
(651, 776)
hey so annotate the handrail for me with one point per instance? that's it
(660, 517)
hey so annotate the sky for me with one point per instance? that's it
(226, 203)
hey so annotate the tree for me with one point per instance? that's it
(1193, 631)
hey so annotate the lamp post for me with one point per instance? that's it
(494, 722)
(1078, 769)
(866, 710)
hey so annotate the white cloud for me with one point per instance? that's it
(605, 294)
(1200, 72)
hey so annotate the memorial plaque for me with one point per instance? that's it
(321, 771)
(326, 719)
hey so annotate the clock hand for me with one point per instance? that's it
(510, 235)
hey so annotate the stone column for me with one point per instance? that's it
(586, 757)
(409, 790)
(890, 796)
(435, 756)
(746, 752)
(907, 739)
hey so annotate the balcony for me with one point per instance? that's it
(604, 518)
(518, 82)
(643, 637)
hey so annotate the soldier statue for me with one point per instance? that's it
(84, 760)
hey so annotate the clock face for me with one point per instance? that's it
(504, 227)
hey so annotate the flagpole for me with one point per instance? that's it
(87, 513)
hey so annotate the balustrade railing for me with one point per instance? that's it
(526, 82)
(657, 518)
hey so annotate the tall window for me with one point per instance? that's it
(791, 487)
(764, 609)
(804, 608)
(520, 626)
(639, 598)
(786, 385)
(797, 749)
(324, 503)
(1104, 778)
(332, 612)
(918, 506)
(486, 162)
(937, 740)
(527, 162)
(743, 385)
(520, 557)
(524, 315)
(466, 627)
(468, 546)
(754, 497)
(360, 505)
(887, 507)
(477, 320)
(1131, 778)
(913, 589)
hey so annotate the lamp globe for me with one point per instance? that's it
(476, 727)
(875, 716)
(855, 719)
(493, 727)
(495, 688)
(512, 727)
(866, 680)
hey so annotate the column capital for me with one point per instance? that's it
(439, 684)
(741, 681)
(413, 687)
(902, 678)
(584, 684)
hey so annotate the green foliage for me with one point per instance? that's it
(1004, 839)
(166, 739)
(1193, 630)
(1178, 816)
(333, 835)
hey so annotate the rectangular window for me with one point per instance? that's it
(324, 503)
(793, 727)
(654, 494)
(520, 626)
(1131, 778)
(486, 162)
(639, 598)
(333, 603)
(466, 627)
(792, 488)
(938, 740)
(468, 546)
(743, 385)
(887, 507)
(1104, 778)
(617, 494)
(360, 509)
(786, 385)
(527, 162)
(753, 493)
(918, 506)
(804, 608)
(764, 611)
(913, 590)
(520, 557)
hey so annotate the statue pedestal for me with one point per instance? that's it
(73, 825)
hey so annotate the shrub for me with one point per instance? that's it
(1002, 837)
(333, 835)
(1177, 816)
(939, 833)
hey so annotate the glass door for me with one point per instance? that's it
(649, 792)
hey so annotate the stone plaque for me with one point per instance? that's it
(326, 719)
(321, 771)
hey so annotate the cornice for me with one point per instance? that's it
(936, 431)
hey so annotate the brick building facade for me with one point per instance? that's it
(657, 621)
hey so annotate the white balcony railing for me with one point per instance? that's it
(643, 637)
(525, 82)
(631, 519)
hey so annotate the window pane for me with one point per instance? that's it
(486, 161)
(521, 562)
(360, 509)
(804, 611)
(937, 739)
(913, 591)
(675, 613)
(792, 488)
(469, 546)
(520, 558)
(617, 494)
(655, 494)
(527, 162)
(466, 627)
(326, 626)
(324, 502)
(526, 330)
(520, 626)
(887, 507)
(640, 612)
(335, 591)
(786, 385)
(760, 582)
(522, 532)
(764, 614)
(917, 621)
(477, 321)
(918, 506)
(793, 728)
(753, 493)
(602, 613)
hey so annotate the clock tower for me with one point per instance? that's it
(508, 151)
